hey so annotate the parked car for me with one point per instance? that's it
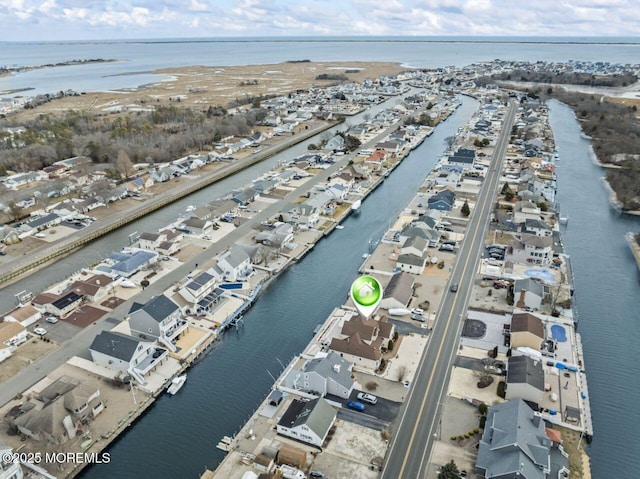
(40, 331)
(51, 319)
(316, 474)
(2, 252)
(358, 406)
(366, 397)
(418, 317)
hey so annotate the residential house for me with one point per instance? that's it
(65, 304)
(301, 214)
(127, 263)
(25, 315)
(307, 421)
(44, 222)
(199, 293)
(158, 318)
(220, 208)
(53, 414)
(525, 379)
(376, 159)
(515, 445)
(93, 288)
(8, 235)
(126, 355)
(278, 237)
(536, 227)
(448, 178)
(149, 240)
(198, 226)
(392, 147)
(12, 334)
(161, 175)
(527, 331)
(8, 468)
(532, 249)
(18, 180)
(398, 292)
(443, 200)
(243, 197)
(411, 263)
(336, 143)
(361, 341)
(422, 230)
(323, 375)
(463, 157)
(529, 293)
(236, 264)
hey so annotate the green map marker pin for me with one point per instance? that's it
(366, 294)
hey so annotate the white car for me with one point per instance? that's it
(40, 331)
(51, 319)
(417, 311)
(370, 398)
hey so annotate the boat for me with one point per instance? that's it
(339, 227)
(176, 384)
(399, 312)
(356, 205)
(190, 208)
(40, 235)
(128, 284)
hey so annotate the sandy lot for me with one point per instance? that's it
(201, 86)
(25, 354)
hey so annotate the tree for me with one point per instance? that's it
(449, 471)
(465, 210)
(124, 165)
(15, 211)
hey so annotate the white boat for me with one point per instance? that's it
(339, 227)
(128, 284)
(399, 312)
(176, 384)
(190, 208)
(40, 235)
(355, 205)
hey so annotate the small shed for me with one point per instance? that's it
(263, 463)
(275, 398)
(292, 456)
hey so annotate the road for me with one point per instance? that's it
(78, 344)
(414, 437)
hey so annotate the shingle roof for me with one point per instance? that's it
(326, 367)
(400, 287)
(527, 322)
(316, 414)
(117, 345)
(160, 307)
(524, 370)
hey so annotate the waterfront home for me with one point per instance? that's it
(220, 208)
(161, 175)
(415, 245)
(525, 379)
(526, 330)
(141, 184)
(301, 214)
(421, 229)
(443, 200)
(12, 334)
(325, 374)
(54, 415)
(198, 290)
(376, 159)
(158, 318)
(278, 237)
(523, 210)
(529, 293)
(536, 227)
(336, 143)
(198, 226)
(361, 341)
(515, 444)
(236, 264)
(398, 291)
(243, 197)
(448, 178)
(532, 249)
(25, 315)
(44, 222)
(307, 421)
(463, 157)
(93, 288)
(126, 355)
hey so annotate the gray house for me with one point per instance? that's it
(125, 354)
(525, 379)
(307, 421)
(514, 445)
(159, 319)
(322, 376)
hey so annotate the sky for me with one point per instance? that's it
(37, 20)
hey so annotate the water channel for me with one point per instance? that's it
(608, 303)
(177, 436)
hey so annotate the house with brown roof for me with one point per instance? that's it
(361, 341)
(527, 330)
(25, 315)
(12, 334)
(94, 288)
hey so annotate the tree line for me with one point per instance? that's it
(566, 78)
(165, 134)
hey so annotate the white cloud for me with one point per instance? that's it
(197, 6)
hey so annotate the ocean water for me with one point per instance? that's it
(138, 57)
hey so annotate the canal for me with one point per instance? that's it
(177, 436)
(608, 302)
(114, 241)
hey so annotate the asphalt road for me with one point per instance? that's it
(416, 431)
(78, 344)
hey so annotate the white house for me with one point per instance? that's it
(25, 315)
(307, 421)
(525, 379)
(302, 214)
(159, 318)
(528, 293)
(12, 334)
(125, 354)
(236, 264)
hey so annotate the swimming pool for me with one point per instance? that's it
(543, 274)
(558, 333)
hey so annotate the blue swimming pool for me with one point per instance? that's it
(558, 333)
(543, 274)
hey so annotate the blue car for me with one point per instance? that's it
(358, 406)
